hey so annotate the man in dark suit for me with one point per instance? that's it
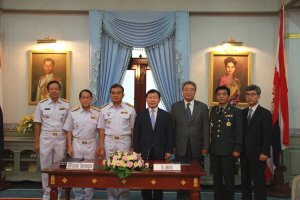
(257, 123)
(153, 136)
(226, 143)
(191, 128)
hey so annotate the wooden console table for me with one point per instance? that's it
(187, 179)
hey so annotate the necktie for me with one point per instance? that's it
(249, 115)
(221, 111)
(152, 119)
(188, 112)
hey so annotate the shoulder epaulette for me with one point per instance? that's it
(76, 108)
(104, 105)
(95, 108)
(65, 100)
(45, 99)
(128, 104)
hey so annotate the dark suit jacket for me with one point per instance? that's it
(198, 128)
(258, 135)
(226, 130)
(161, 138)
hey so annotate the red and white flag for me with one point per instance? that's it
(279, 106)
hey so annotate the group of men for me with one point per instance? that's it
(188, 131)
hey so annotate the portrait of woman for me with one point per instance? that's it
(232, 70)
(230, 81)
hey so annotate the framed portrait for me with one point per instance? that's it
(233, 70)
(45, 67)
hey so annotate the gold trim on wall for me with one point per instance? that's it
(243, 72)
(292, 36)
(36, 70)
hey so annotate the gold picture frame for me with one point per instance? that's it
(38, 74)
(242, 73)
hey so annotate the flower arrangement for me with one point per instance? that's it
(27, 124)
(123, 163)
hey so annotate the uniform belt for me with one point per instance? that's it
(118, 137)
(53, 133)
(84, 141)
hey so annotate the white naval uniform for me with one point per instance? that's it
(83, 125)
(117, 122)
(52, 137)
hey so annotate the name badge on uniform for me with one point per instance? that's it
(47, 108)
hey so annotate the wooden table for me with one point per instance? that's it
(187, 179)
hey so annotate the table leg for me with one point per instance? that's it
(194, 195)
(53, 193)
(67, 193)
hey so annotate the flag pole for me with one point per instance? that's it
(278, 187)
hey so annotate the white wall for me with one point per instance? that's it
(20, 30)
(293, 66)
(258, 34)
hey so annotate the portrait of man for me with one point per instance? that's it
(49, 66)
(232, 71)
(45, 67)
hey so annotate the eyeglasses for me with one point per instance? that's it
(250, 94)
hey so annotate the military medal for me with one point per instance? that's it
(228, 124)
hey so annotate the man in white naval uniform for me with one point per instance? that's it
(81, 126)
(50, 139)
(42, 92)
(116, 123)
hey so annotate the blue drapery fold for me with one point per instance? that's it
(165, 35)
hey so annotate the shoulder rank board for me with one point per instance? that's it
(104, 105)
(45, 99)
(128, 104)
(76, 108)
(95, 108)
(65, 100)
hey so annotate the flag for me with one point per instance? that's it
(279, 106)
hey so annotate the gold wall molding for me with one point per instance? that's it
(296, 35)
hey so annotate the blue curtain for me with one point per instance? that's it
(165, 35)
